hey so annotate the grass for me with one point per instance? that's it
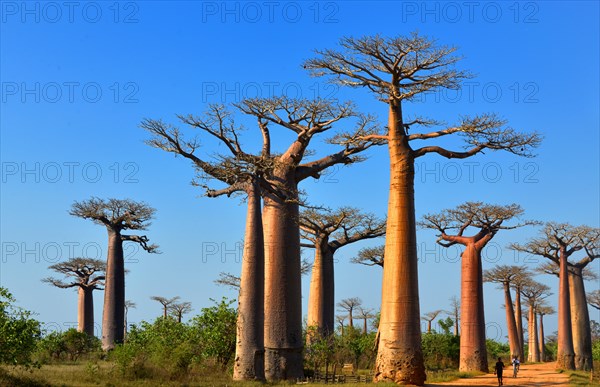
(448, 376)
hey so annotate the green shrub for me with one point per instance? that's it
(440, 350)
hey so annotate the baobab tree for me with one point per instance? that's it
(580, 319)
(517, 284)
(117, 215)
(349, 305)
(240, 171)
(128, 305)
(504, 275)
(398, 70)
(326, 232)
(365, 314)
(179, 309)
(534, 292)
(454, 312)
(229, 280)
(543, 310)
(488, 220)
(340, 320)
(165, 302)
(370, 256)
(429, 317)
(88, 275)
(558, 241)
(594, 299)
(305, 119)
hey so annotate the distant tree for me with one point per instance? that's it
(165, 302)
(179, 309)
(370, 256)
(429, 317)
(365, 314)
(88, 275)
(543, 310)
(517, 283)
(117, 215)
(535, 293)
(504, 275)
(128, 305)
(487, 219)
(340, 320)
(349, 305)
(327, 231)
(454, 312)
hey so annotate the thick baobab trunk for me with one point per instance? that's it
(455, 325)
(399, 354)
(250, 349)
(85, 311)
(429, 326)
(473, 352)
(533, 354)
(283, 309)
(113, 317)
(519, 321)
(365, 326)
(565, 355)
(580, 321)
(511, 323)
(542, 340)
(321, 301)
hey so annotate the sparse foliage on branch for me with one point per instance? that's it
(165, 302)
(370, 256)
(594, 299)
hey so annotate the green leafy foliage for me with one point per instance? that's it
(19, 332)
(70, 344)
(441, 350)
(216, 328)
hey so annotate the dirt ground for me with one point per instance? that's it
(529, 375)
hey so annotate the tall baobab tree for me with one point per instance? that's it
(455, 312)
(326, 232)
(580, 318)
(534, 292)
(504, 275)
(594, 299)
(179, 309)
(128, 305)
(370, 256)
(429, 317)
(165, 302)
(365, 314)
(488, 220)
(557, 243)
(305, 119)
(88, 275)
(543, 310)
(117, 215)
(397, 70)
(517, 284)
(240, 171)
(349, 305)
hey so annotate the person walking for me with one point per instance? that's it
(498, 369)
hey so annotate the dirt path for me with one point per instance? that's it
(529, 375)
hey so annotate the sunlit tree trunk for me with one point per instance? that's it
(283, 310)
(511, 323)
(533, 354)
(85, 311)
(321, 302)
(113, 317)
(565, 354)
(519, 321)
(399, 356)
(580, 321)
(473, 352)
(249, 358)
(542, 340)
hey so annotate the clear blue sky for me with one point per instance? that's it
(78, 79)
